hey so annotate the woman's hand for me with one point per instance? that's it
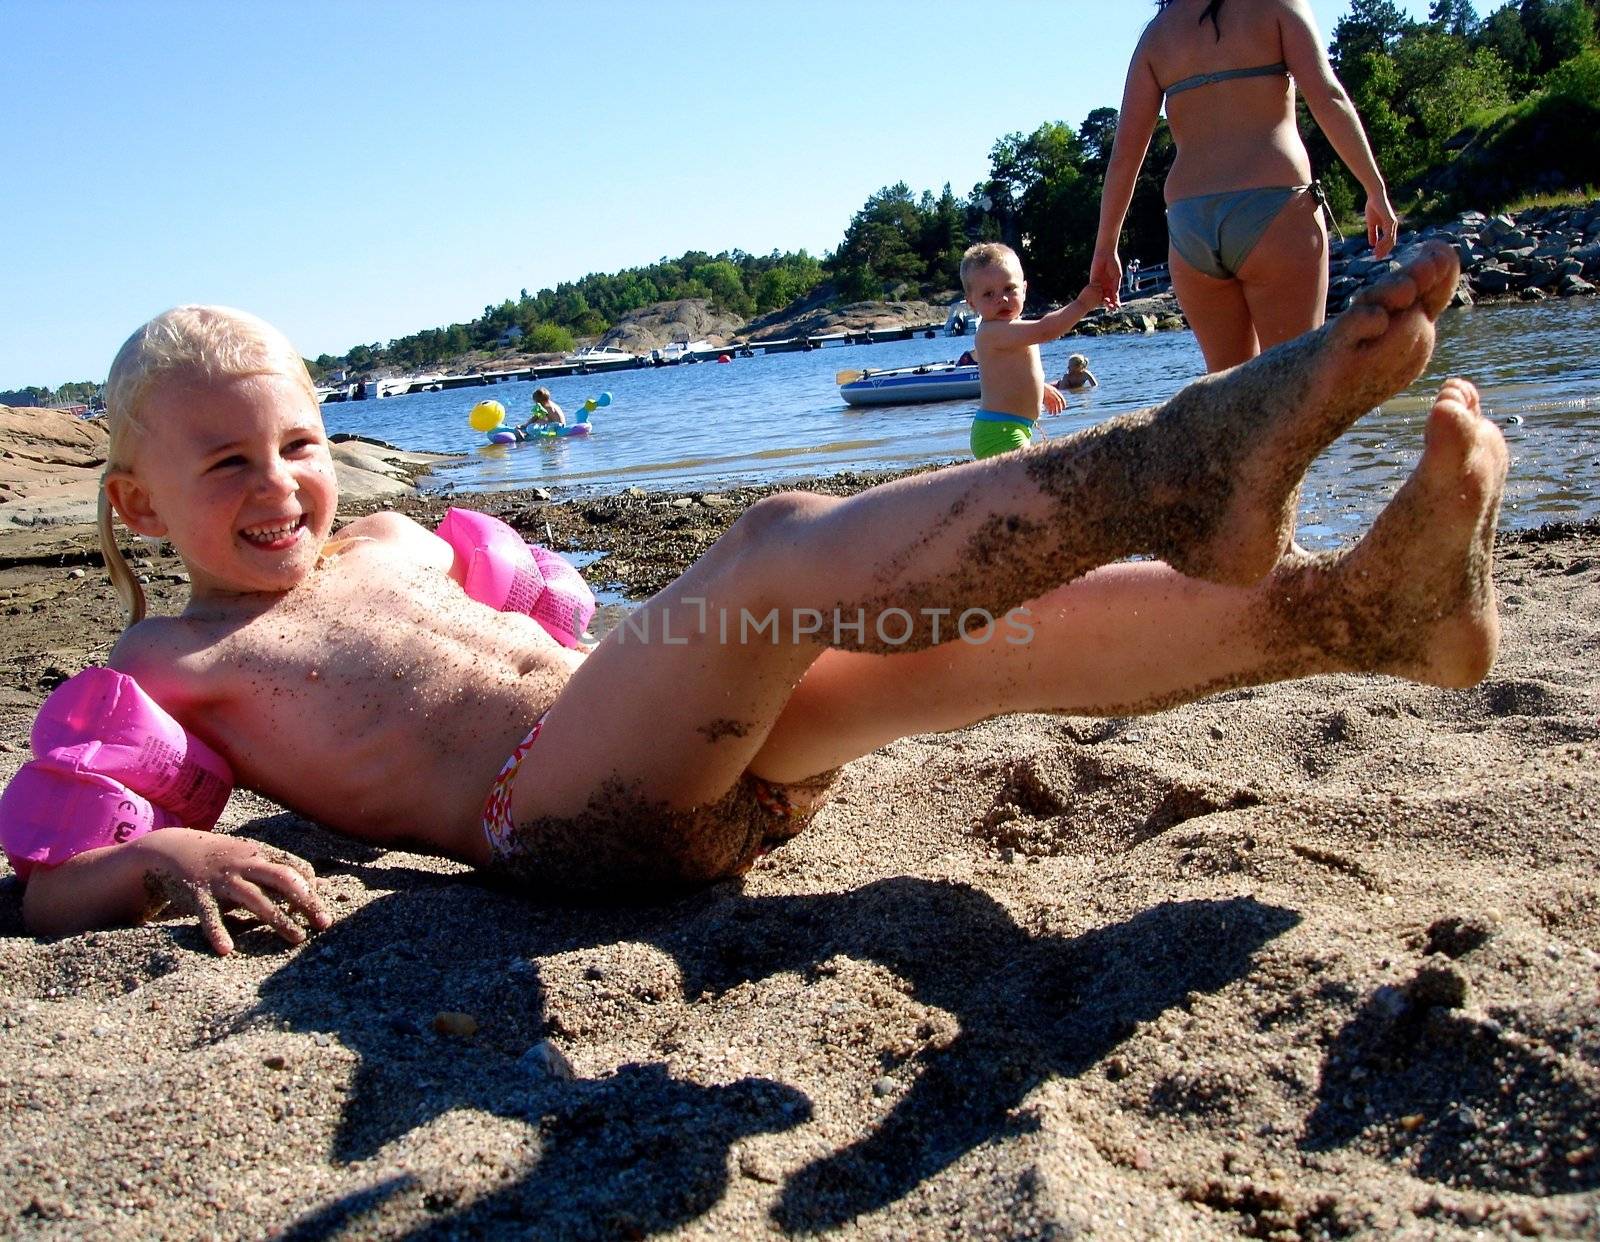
(1381, 225)
(206, 874)
(1106, 272)
(1054, 402)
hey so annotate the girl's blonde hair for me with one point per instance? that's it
(192, 342)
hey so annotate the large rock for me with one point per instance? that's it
(656, 326)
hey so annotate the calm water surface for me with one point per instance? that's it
(771, 418)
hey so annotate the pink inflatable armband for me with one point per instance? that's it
(110, 765)
(506, 573)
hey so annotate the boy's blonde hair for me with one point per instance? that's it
(541, 395)
(985, 254)
(1077, 360)
(197, 342)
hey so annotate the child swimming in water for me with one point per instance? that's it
(355, 680)
(1078, 374)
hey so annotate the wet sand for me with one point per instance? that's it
(1316, 960)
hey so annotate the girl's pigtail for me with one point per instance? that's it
(128, 588)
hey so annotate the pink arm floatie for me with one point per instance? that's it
(506, 573)
(110, 765)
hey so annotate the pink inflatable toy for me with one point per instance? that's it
(512, 576)
(110, 765)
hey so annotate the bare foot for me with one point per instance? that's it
(1242, 439)
(1415, 598)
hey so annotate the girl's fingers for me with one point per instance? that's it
(292, 886)
(285, 859)
(247, 896)
(211, 926)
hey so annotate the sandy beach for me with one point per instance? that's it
(1319, 960)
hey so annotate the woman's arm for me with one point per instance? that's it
(1136, 123)
(1336, 115)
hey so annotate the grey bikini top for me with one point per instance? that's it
(1223, 75)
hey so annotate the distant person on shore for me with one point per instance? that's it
(1078, 374)
(1248, 248)
(546, 413)
(378, 680)
(1011, 376)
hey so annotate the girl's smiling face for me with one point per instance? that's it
(235, 471)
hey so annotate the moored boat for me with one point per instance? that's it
(685, 350)
(933, 381)
(601, 358)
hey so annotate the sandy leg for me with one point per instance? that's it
(1415, 598)
(1208, 482)
(1225, 486)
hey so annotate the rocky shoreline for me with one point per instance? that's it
(1538, 253)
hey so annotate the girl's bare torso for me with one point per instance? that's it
(375, 697)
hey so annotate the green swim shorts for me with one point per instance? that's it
(993, 434)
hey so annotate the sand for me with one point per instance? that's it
(1317, 960)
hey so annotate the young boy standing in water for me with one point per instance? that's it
(366, 682)
(1009, 371)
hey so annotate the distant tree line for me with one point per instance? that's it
(551, 320)
(1462, 112)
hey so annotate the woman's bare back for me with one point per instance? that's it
(1238, 133)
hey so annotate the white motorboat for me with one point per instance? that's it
(681, 351)
(961, 319)
(601, 357)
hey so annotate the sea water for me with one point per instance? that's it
(771, 418)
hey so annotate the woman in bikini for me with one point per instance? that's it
(1248, 249)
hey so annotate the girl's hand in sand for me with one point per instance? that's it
(204, 874)
(1054, 402)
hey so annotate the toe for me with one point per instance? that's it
(1435, 272)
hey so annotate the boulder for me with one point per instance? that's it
(1491, 280)
(46, 452)
(658, 325)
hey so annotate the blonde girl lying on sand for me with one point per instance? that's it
(356, 681)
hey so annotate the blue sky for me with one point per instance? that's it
(356, 172)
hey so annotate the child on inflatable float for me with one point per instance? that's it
(548, 419)
(413, 688)
(546, 413)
